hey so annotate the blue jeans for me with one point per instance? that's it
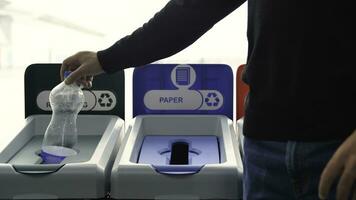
(285, 170)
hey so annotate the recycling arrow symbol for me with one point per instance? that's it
(212, 99)
(105, 100)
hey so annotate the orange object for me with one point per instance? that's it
(241, 92)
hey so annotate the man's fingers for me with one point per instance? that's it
(344, 186)
(62, 72)
(89, 81)
(347, 179)
(86, 81)
(84, 65)
(64, 68)
(90, 84)
(70, 64)
(89, 78)
(329, 175)
(75, 75)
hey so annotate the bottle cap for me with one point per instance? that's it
(67, 73)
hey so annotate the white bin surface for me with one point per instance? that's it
(85, 175)
(131, 180)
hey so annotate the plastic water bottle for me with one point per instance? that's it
(61, 134)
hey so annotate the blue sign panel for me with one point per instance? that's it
(183, 89)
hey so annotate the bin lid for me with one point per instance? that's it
(183, 89)
(106, 97)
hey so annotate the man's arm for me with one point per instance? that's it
(175, 27)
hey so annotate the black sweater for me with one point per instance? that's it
(300, 66)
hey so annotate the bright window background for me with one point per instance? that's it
(48, 31)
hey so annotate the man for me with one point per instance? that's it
(301, 108)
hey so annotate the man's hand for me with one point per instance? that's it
(84, 65)
(343, 165)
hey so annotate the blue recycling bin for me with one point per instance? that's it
(181, 143)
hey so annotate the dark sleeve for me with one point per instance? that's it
(175, 27)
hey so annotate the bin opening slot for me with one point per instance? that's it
(179, 153)
(30, 153)
(179, 150)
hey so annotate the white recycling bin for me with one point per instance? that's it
(100, 126)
